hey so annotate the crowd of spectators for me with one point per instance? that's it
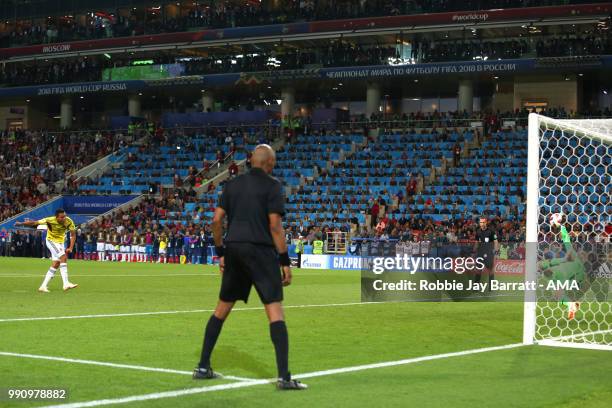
(335, 54)
(467, 50)
(492, 121)
(55, 72)
(412, 227)
(126, 229)
(571, 46)
(193, 244)
(22, 243)
(222, 14)
(141, 225)
(33, 161)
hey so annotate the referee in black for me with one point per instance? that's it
(486, 247)
(252, 255)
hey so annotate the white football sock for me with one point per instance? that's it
(50, 274)
(64, 273)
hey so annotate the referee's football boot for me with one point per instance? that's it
(201, 373)
(283, 384)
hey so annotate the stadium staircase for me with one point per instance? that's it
(320, 171)
(49, 206)
(489, 180)
(158, 166)
(301, 163)
(221, 173)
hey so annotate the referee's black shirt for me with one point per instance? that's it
(486, 239)
(247, 201)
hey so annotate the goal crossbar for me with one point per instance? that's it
(574, 125)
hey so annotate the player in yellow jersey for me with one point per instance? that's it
(163, 245)
(57, 227)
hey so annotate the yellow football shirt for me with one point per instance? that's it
(56, 232)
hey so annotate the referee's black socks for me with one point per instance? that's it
(280, 338)
(211, 334)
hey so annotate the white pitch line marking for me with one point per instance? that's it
(27, 319)
(114, 276)
(200, 390)
(406, 361)
(159, 395)
(113, 365)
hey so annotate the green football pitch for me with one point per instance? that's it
(130, 334)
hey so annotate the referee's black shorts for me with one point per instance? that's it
(487, 259)
(249, 264)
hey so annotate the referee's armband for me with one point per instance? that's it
(284, 259)
(220, 251)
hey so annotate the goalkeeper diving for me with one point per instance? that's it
(571, 267)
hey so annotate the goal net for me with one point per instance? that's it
(569, 214)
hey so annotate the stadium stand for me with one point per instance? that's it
(126, 23)
(336, 54)
(172, 157)
(488, 182)
(403, 183)
(392, 169)
(34, 161)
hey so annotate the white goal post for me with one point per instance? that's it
(569, 168)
